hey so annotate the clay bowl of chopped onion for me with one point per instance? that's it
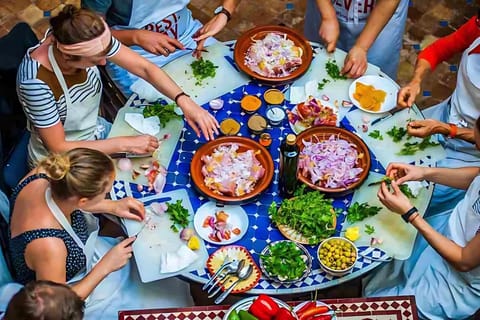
(332, 160)
(289, 54)
(231, 170)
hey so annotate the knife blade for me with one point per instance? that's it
(390, 113)
(119, 155)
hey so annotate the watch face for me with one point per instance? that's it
(218, 10)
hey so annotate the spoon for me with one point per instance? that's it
(243, 274)
(225, 263)
(231, 269)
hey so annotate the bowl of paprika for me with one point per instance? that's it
(260, 307)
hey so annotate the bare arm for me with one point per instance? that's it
(329, 28)
(461, 258)
(128, 207)
(47, 257)
(197, 117)
(54, 140)
(427, 127)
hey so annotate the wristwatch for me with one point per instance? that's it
(221, 9)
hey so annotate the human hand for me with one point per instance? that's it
(402, 172)
(209, 29)
(129, 208)
(157, 43)
(406, 96)
(329, 32)
(198, 118)
(144, 143)
(118, 256)
(393, 199)
(425, 128)
(355, 63)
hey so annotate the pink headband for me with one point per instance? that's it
(88, 48)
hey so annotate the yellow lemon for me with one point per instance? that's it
(352, 233)
(193, 243)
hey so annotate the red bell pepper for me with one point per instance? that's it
(308, 314)
(264, 307)
(284, 314)
(305, 307)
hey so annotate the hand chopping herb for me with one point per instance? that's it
(203, 69)
(178, 215)
(360, 211)
(164, 112)
(284, 260)
(403, 187)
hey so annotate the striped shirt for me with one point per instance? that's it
(42, 108)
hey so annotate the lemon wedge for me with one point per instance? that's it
(353, 233)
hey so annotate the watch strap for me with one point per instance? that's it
(406, 216)
(225, 12)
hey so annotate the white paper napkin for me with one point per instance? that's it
(150, 125)
(300, 93)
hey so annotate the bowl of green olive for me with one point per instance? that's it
(337, 255)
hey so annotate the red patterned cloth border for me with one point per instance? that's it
(382, 308)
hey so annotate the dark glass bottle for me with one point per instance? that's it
(289, 152)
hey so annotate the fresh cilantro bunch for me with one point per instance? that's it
(375, 134)
(309, 214)
(410, 148)
(165, 113)
(397, 133)
(333, 70)
(359, 211)
(178, 215)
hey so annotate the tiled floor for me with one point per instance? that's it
(427, 20)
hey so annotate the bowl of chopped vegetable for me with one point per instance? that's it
(231, 170)
(337, 256)
(285, 262)
(273, 54)
(332, 160)
(258, 307)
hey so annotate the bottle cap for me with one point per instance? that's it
(291, 138)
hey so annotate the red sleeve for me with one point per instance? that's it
(444, 48)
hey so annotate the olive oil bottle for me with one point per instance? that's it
(289, 152)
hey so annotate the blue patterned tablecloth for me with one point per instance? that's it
(261, 231)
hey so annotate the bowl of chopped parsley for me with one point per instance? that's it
(285, 262)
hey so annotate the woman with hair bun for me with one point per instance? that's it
(53, 236)
(59, 86)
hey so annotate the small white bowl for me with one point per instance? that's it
(337, 272)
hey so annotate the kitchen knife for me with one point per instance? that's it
(390, 113)
(118, 155)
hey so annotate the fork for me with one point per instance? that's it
(225, 263)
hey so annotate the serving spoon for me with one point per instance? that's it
(243, 274)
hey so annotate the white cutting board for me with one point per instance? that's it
(150, 244)
(386, 150)
(226, 78)
(398, 237)
(163, 154)
(335, 90)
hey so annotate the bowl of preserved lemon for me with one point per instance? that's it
(337, 255)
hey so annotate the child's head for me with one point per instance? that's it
(45, 300)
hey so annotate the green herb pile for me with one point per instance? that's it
(359, 211)
(203, 69)
(397, 133)
(403, 187)
(178, 215)
(284, 260)
(333, 70)
(410, 148)
(309, 214)
(375, 134)
(322, 84)
(164, 112)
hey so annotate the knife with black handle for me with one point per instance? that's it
(390, 113)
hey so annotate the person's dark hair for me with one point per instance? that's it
(45, 300)
(79, 172)
(477, 125)
(74, 25)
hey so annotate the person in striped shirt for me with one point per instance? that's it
(59, 86)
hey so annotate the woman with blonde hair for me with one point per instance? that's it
(59, 87)
(54, 237)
